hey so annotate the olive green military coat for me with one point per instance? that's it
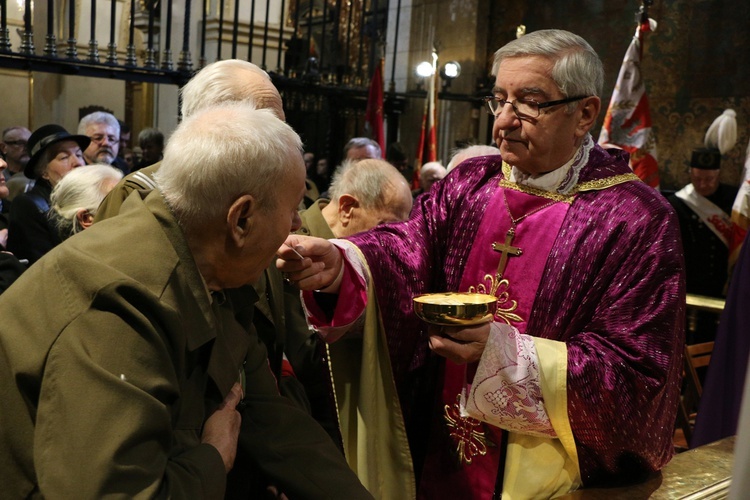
(113, 354)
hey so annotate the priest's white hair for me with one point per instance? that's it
(577, 69)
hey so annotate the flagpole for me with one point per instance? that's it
(432, 147)
(627, 122)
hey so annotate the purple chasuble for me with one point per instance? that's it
(515, 291)
(612, 289)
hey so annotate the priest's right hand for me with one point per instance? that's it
(310, 263)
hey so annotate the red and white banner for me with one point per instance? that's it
(740, 213)
(627, 124)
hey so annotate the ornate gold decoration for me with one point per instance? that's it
(505, 305)
(595, 185)
(599, 184)
(536, 191)
(467, 432)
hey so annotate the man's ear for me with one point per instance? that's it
(347, 204)
(240, 217)
(589, 113)
(84, 217)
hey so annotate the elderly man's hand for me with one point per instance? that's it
(222, 429)
(310, 263)
(459, 344)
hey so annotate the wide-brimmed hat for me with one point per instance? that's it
(45, 136)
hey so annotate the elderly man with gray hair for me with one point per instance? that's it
(360, 148)
(230, 80)
(132, 385)
(363, 195)
(584, 260)
(104, 131)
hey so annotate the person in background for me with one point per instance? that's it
(10, 267)
(429, 174)
(226, 81)
(104, 131)
(14, 147)
(396, 156)
(360, 148)
(73, 201)
(151, 141)
(363, 194)
(471, 151)
(76, 198)
(704, 209)
(125, 133)
(348, 382)
(130, 158)
(584, 260)
(130, 386)
(4, 204)
(309, 161)
(54, 153)
(313, 192)
(322, 174)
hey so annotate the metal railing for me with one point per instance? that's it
(326, 42)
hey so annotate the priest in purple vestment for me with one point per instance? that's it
(576, 381)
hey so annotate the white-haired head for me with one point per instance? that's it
(364, 194)
(98, 117)
(231, 80)
(370, 180)
(430, 173)
(222, 152)
(577, 68)
(76, 198)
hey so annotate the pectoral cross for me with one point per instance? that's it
(506, 250)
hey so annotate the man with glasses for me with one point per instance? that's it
(575, 381)
(104, 131)
(16, 155)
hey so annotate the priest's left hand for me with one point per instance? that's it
(459, 344)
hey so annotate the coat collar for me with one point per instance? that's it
(313, 221)
(221, 319)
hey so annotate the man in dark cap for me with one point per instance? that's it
(704, 207)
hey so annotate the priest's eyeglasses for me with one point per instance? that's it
(524, 108)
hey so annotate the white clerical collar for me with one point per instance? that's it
(561, 180)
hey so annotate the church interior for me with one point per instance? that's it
(61, 59)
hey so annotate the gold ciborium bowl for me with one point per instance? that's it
(455, 308)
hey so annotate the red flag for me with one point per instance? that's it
(374, 112)
(427, 150)
(627, 124)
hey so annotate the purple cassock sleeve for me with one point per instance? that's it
(612, 290)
